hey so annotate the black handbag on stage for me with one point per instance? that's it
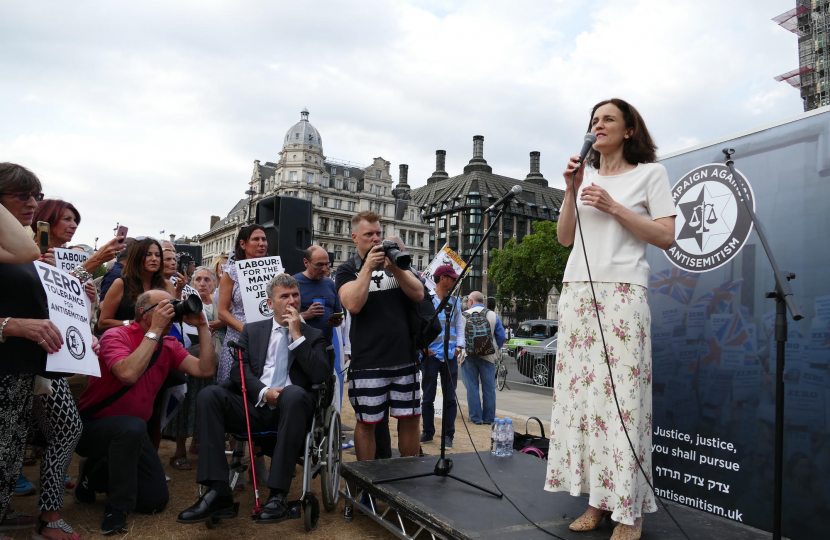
(532, 444)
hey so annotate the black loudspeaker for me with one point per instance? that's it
(400, 208)
(194, 251)
(287, 223)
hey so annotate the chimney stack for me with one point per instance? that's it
(213, 221)
(404, 173)
(478, 163)
(440, 167)
(535, 176)
(401, 191)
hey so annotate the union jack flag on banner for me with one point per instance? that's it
(720, 298)
(674, 282)
(735, 334)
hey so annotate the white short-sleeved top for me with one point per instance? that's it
(615, 254)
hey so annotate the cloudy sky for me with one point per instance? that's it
(151, 113)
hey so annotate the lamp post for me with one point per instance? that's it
(250, 193)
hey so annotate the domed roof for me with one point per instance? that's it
(303, 132)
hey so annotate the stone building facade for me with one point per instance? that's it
(337, 190)
(454, 209)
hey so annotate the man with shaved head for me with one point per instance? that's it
(320, 307)
(119, 458)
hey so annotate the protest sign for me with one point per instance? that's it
(445, 256)
(67, 259)
(253, 276)
(695, 322)
(671, 317)
(68, 311)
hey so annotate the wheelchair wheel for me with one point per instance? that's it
(311, 512)
(332, 455)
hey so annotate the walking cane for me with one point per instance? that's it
(258, 508)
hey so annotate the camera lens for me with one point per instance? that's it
(182, 308)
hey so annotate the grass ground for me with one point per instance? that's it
(86, 519)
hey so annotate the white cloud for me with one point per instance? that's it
(152, 113)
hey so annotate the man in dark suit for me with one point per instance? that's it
(282, 358)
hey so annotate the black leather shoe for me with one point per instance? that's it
(209, 505)
(274, 511)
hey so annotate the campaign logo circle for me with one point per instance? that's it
(75, 343)
(712, 223)
(264, 310)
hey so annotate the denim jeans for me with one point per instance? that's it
(474, 369)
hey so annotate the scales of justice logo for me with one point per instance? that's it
(75, 343)
(712, 223)
(264, 310)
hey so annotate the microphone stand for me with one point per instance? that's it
(784, 300)
(444, 464)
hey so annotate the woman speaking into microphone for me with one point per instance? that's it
(624, 203)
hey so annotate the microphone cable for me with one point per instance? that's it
(607, 361)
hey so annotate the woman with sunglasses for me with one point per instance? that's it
(26, 337)
(251, 243)
(142, 272)
(183, 425)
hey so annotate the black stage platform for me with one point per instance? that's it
(445, 508)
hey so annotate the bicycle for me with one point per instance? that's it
(501, 373)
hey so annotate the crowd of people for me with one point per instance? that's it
(114, 422)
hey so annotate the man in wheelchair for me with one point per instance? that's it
(282, 358)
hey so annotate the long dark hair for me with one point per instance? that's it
(134, 269)
(639, 148)
(243, 236)
(51, 210)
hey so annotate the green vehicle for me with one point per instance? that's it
(531, 333)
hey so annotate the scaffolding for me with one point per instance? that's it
(809, 20)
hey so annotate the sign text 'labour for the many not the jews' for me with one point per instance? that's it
(253, 276)
(68, 311)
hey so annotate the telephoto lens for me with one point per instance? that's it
(394, 254)
(182, 308)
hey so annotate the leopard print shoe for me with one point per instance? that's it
(586, 522)
(627, 532)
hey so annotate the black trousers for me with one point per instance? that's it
(16, 406)
(220, 411)
(430, 369)
(123, 464)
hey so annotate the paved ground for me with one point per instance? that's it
(519, 401)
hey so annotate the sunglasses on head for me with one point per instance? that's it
(25, 196)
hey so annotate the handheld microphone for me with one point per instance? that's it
(515, 190)
(590, 139)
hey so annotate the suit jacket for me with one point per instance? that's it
(307, 364)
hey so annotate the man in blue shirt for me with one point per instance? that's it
(320, 307)
(444, 278)
(482, 367)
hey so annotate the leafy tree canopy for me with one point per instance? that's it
(526, 271)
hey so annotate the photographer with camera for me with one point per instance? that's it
(119, 458)
(377, 288)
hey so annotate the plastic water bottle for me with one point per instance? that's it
(494, 437)
(502, 432)
(508, 443)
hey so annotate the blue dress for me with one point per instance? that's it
(227, 362)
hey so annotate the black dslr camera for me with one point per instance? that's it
(183, 265)
(181, 308)
(393, 253)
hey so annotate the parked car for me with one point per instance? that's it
(537, 362)
(531, 333)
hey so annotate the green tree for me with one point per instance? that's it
(526, 271)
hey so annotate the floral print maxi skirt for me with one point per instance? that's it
(589, 452)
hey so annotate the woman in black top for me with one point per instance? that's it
(26, 336)
(142, 272)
